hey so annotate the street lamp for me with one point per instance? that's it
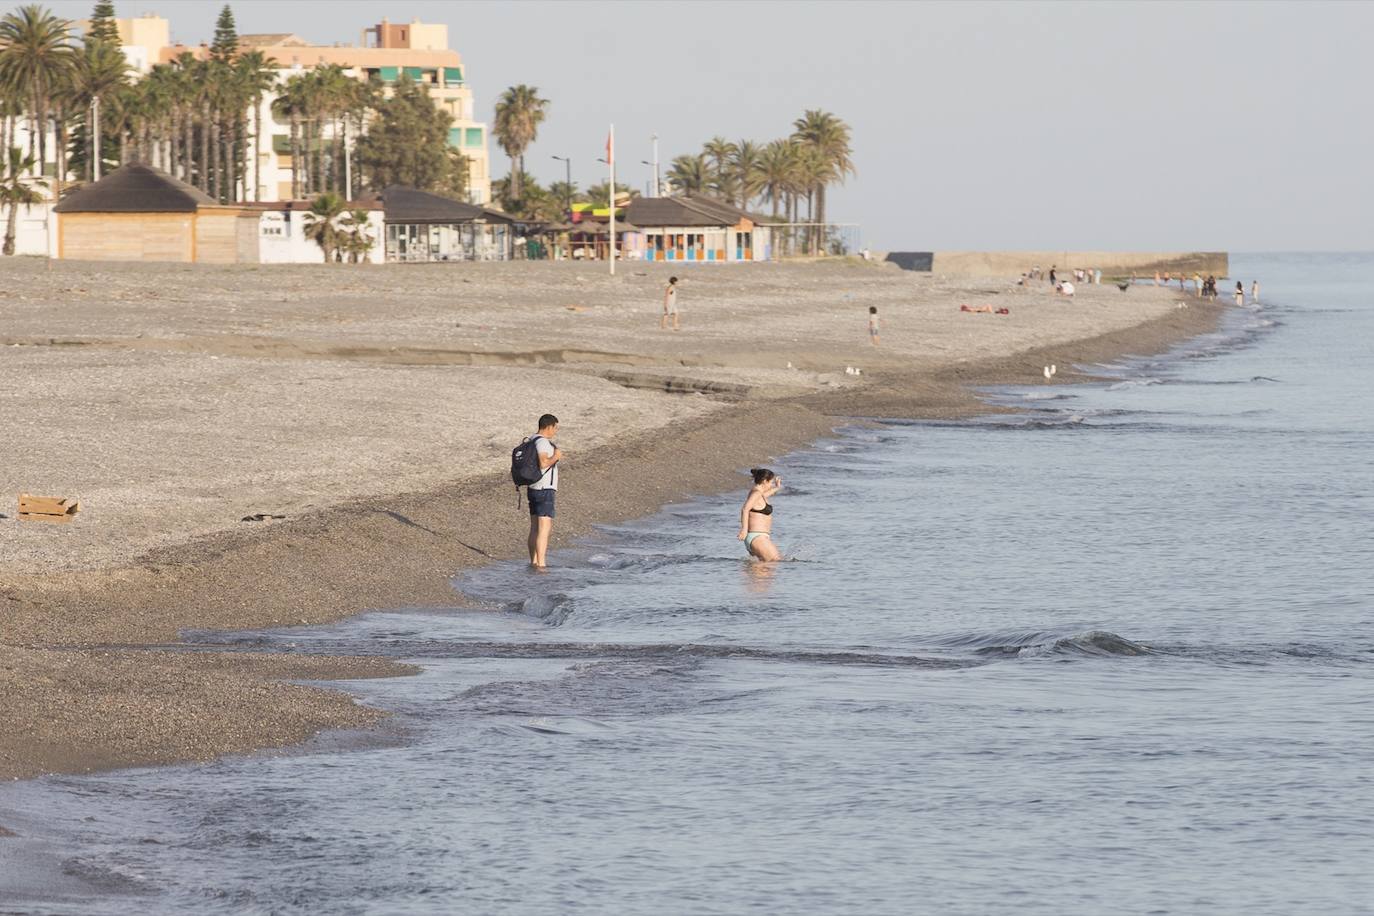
(567, 186)
(658, 185)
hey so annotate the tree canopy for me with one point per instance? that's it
(407, 144)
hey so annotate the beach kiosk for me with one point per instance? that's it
(140, 213)
(423, 226)
(697, 228)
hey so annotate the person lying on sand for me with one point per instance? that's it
(756, 516)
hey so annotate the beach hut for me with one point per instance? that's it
(139, 213)
(423, 226)
(697, 228)
(591, 239)
(283, 236)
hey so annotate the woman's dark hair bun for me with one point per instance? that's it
(762, 475)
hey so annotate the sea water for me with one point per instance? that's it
(1111, 654)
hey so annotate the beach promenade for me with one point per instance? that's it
(374, 409)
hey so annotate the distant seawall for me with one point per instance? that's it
(1015, 263)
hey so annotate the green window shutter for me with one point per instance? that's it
(415, 73)
(390, 74)
(281, 144)
(455, 136)
(453, 75)
(474, 137)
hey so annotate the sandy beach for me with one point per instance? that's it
(374, 409)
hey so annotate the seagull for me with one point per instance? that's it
(1050, 371)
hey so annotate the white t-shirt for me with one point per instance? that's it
(550, 479)
(1068, 288)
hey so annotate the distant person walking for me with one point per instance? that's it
(670, 306)
(1240, 293)
(544, 491)
(1197, 285)
(873, 327)
(1254, 292)
(756, 516)
(1052, 279)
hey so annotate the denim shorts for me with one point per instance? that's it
(541, 502)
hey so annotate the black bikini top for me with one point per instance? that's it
(766, 510)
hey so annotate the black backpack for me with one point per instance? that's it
(524, 465)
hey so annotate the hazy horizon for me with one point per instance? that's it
(1220, 126)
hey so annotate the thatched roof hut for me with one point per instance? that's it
(135, 188)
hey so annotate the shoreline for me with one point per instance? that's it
(397, 551)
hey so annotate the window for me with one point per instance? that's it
(453, 76)
(389, 74)
(455, 136)
(474, 136)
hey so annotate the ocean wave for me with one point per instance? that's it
(1033, 643)
(1135, 383)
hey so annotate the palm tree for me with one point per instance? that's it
(356, 241)
(599, 194)
(746, 164)
(100, 72)
(810, 173)
(291, 103)
(10, 108)
(775, 172)
(519, 112)
(566, 194)
(184, 87)
(320, 223)
(16, 191)
(35, 53)
(334, 89)
(718, 153)
(257, 77)
(688, 173)
(829, 137)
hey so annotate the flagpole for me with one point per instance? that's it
(610, 160)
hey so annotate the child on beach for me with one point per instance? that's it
(873, 326)
(670, 306)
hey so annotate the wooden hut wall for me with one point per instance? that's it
(126, 236)
(217, 239)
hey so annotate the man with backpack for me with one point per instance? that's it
(534, 464)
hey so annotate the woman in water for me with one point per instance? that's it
(1240, 293)
(756, 517)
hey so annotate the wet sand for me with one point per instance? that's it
(375, 409)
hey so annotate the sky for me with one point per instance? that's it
(1119, 126)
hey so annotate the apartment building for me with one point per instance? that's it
(386, 51)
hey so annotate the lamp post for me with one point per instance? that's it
(567, 184)
(657, 185)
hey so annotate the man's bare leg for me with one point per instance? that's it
(542, 528)
(534, 540)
